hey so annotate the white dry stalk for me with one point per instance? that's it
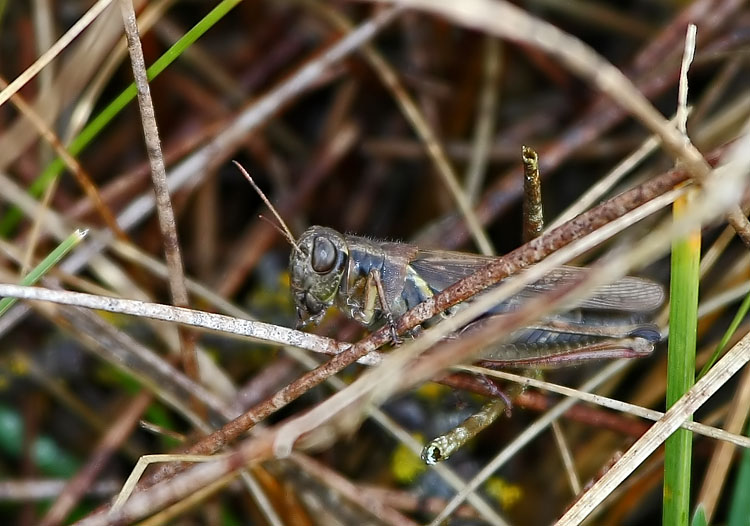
(566, 456)
(722, 299)
(261, 498)
(484, 127)
(609, 403)
(33, 489)
(260, 331)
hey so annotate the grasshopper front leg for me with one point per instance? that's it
(375, 293)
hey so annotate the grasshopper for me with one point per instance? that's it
(375, 282)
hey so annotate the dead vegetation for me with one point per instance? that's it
(175, 336)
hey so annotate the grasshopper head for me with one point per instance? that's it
(316, 268)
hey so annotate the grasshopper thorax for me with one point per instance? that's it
(316, 267)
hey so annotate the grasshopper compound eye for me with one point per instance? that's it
(324, 255)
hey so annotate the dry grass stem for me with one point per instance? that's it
(194, 318)
(161, 188)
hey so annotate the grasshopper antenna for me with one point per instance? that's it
(284, 230)
(275, 227)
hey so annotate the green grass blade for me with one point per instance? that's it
(683, 321)
(741, 312)
(739, 507)
(98, 123)
(47, 263)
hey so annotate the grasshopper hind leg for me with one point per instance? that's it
(443, 446)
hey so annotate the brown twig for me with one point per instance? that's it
(161, 188)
